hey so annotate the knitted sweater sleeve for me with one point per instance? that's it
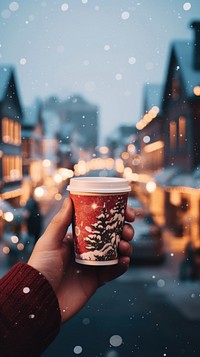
(29, 312)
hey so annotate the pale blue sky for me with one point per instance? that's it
(105, 50)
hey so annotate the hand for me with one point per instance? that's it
(74, 283)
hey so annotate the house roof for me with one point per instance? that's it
(8, 80)
(184, 52)
(5, 75)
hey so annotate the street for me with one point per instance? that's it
(134, 316)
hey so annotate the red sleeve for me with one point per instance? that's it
(29, 312)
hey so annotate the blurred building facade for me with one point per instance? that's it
(74, 124)
(10, 131)
(176, 128)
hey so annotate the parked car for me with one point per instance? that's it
(147, 243)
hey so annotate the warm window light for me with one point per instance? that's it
(157, 145)
(65, 173)
(14, 239)
(125, 155)
(8, 216)
(173, 134)
(148, 117)
(135, 177)
(11, 131)
(103, 150)
(182, 131)
(119, 165)
(39, 192)
(151, 186)
(57, 178)
(58, 197)
(46, 163)
(196, 90)
(6, 250)
(131, 148)
(20, 246)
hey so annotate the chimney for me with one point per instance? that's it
(196, 53)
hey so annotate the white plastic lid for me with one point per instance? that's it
(98, 185)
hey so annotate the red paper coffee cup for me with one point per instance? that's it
(99, 205)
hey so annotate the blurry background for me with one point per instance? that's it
(108, 88)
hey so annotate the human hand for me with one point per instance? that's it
(73, 283)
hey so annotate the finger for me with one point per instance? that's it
(125, 249)
(130, 214)
(56, 230)
(124, 263)
(128, 232)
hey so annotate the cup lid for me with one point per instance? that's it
(98, 185)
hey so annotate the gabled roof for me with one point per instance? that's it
(184, 52)
(8, 81)
(181, 63)
(5, 76)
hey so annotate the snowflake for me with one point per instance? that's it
(26, 290)
(187, 6)
(116, 340)
(14, 6)
(64, 7)
(125, 15)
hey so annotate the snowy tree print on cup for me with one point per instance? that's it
(100, 205)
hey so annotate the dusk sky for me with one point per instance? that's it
(105, 50)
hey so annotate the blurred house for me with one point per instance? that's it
(176, 128)
(32, 143)
(181, 104)
(120, 139)
(10, 131)
(73, 124)
(83, 126)
(10, 155)
(181, 114)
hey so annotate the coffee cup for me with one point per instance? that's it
(99, 214)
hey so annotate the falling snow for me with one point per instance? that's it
(132, 60)
(14, 6)
(22, 61)
(64, 7)
(125, 15)
(118, 76)
(187, 6)
(26, 290)
(116, 340)
(78, 350)
(31, 316)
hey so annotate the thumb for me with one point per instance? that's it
(56, 230)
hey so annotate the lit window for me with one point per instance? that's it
(11, 131)
(175, 89)
(196, 91)
(182, 131)
(12, 168)
(172, 133)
